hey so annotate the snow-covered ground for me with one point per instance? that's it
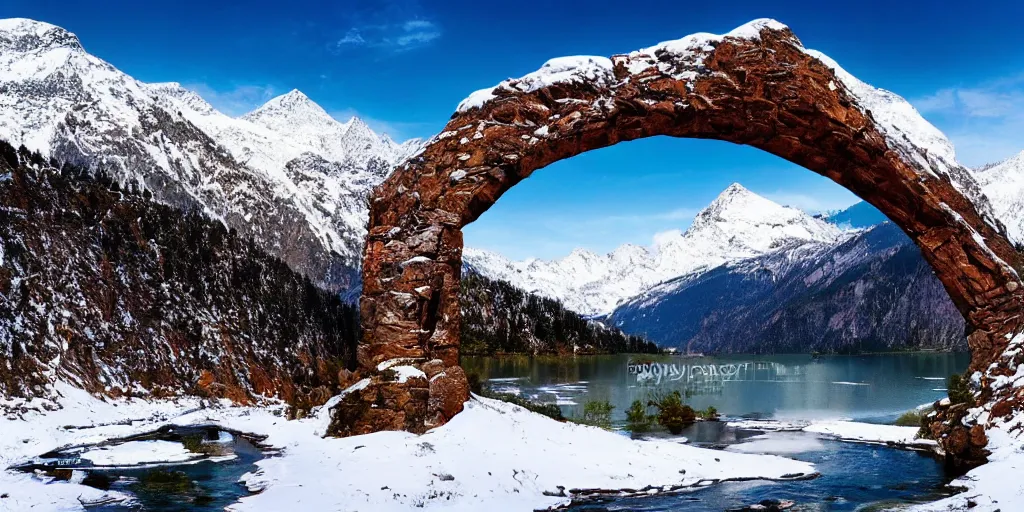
(905, 437)
(493, 456)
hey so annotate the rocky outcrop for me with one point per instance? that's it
(106, 289)
(756, 85)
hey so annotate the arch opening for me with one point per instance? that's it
(755, 86)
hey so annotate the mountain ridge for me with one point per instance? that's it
(738, 224)
(60, 100)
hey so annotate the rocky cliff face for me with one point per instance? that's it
(286, 175)
(103, 288)
(871, 291)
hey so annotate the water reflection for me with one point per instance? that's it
(867, 388)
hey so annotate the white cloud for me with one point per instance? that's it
(985, 120)
(235, 100)
(395, 37)
(352, 37)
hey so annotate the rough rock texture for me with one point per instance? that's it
(757, 86)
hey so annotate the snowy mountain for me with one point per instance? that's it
(859, 215)
(737, 225)
(870, 291)
(287, 175)
(1003, 183)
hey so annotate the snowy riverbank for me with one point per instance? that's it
(493, 456)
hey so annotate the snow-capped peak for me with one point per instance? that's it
(293, 109)
(22, 35)
(738, 224)
(753, 223)
(1003, 183)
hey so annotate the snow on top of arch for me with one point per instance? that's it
(591, 68)
(558, 70)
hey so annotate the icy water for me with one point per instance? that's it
(869, 388)
(208, 484)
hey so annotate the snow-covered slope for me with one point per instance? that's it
(287, 174)
(1003, 183)
(737, 225)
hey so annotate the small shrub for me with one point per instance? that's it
(673, 414)
(710, 414)
(638, 420)
(597, 413)
(911, 418)
(193, 443)
(959, 390)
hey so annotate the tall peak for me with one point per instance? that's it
(23, 34)
(290, 111)
(738, 204)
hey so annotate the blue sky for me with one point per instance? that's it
(404, 65)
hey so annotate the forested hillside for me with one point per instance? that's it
(107, 289)
(500, 318)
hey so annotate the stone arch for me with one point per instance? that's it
(756, 85)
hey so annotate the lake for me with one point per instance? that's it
(869, 388)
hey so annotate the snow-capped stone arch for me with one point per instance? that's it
(756, 85)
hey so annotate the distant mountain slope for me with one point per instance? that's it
(860, 215)
(287, 175)
(871, 292)
(108, 290)
(500, 318)
(737, 225)
(1003, 183)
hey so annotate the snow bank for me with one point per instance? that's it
(994, 486)
(871, 433)
(492, 456)
(139, 452)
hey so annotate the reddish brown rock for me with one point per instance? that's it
(765, 92)
(448, 391)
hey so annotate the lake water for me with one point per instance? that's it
(869, 388)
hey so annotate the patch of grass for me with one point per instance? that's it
(638, 420)
(550, 410)
(911, 418)
(193, 443)
(162, 480)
